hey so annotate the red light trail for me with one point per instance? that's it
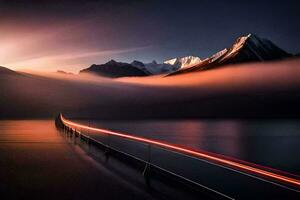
(201, 155)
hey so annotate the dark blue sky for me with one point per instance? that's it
(145, 30)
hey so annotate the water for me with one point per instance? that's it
(273, 143)
(30, 149)
(38, 162)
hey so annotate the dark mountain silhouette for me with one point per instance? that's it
(248, 48)
(114, 69)
(137, 63)
(140, 65)
(6, 71)
(64, 72)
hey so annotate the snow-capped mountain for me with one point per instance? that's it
(167, 66)
(154, 67)
(252, 48)
(248, 48)
(184, 62)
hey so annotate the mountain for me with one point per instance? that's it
(159, 68)
(140, 65)
(64, 72)
(248, 48)
(167, 66)
(183, 62)
(114, 69)
(154, 67)
(6, 71)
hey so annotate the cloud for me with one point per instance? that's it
(75, 60)
(66, 45)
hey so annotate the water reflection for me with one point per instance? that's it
(270, 143)
(28, 131)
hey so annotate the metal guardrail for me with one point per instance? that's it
(148, 165)
(241, 168)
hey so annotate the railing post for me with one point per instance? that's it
(74, 138)
(147, 169)
(149, 153)
(106, 152)
(88, 143)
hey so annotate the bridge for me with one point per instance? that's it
(198, 173)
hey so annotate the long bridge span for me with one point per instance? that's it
(198, 172)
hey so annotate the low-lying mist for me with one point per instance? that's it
(248, 90)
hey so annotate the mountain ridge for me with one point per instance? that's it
(248, 48)
(7, 71)
(113, 69)
(182, 62)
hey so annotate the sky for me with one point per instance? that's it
(72, 35)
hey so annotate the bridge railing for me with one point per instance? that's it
(172, 159)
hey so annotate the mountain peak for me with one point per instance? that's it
(137, 63)
(7, 71)
(111, 62)
(183, 62)
(114, 69)
(248, 48)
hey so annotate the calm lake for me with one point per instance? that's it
(273, 143)
(270, 143)
(27, 146)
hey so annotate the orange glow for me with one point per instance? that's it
(202, 155)
(23, 47)
(278, 74)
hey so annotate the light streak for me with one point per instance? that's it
(205, 156)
